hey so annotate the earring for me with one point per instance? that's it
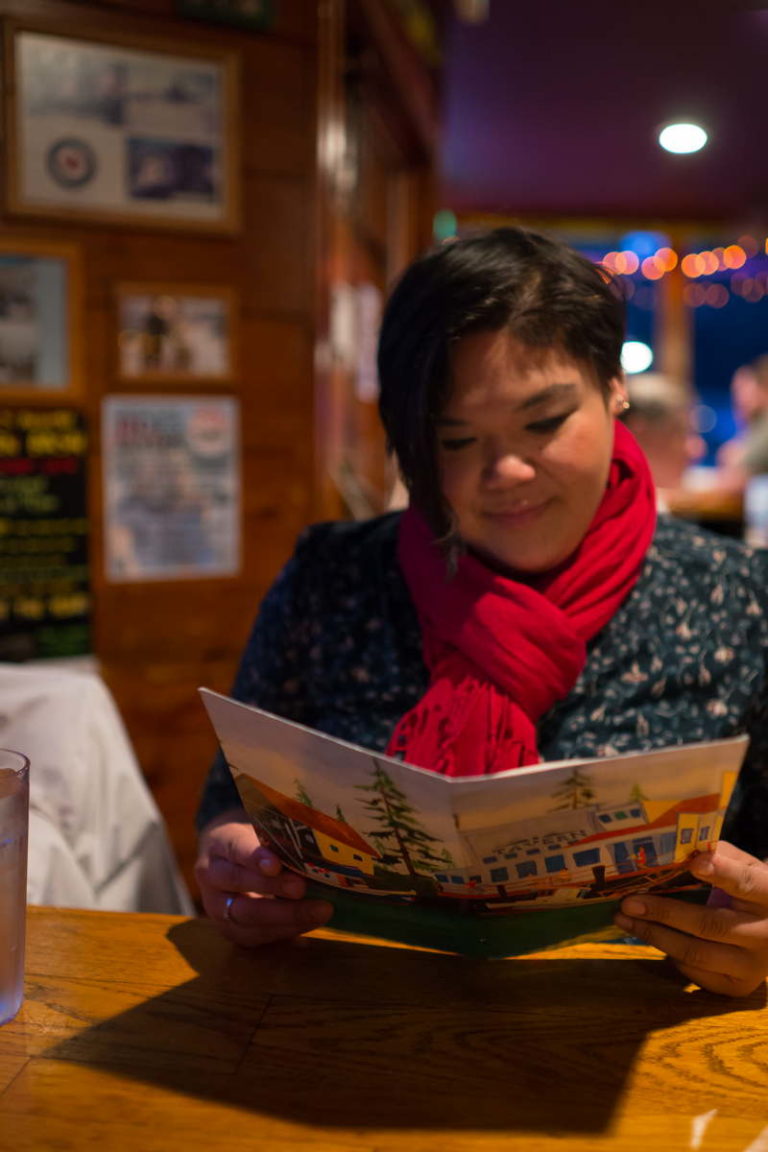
(622, 405)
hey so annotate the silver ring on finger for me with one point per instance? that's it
(228, 907)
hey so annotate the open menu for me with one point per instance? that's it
(486, 866)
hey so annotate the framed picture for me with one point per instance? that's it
(171, 487)
(40, 319)
(133, 131)
(179, 332)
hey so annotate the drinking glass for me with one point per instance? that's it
(14, 823)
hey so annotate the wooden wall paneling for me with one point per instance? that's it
(157, 641)
(276, 263)
(278, 134)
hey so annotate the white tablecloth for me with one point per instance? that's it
(96, 837)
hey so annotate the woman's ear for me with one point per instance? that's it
(617, 396)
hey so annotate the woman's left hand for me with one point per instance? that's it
(722, 946)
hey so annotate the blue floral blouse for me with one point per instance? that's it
(336, 646)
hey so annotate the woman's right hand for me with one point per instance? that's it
(245, 889)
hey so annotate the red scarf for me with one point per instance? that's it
(501, 653)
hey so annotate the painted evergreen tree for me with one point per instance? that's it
(399, 833)
(302, 795)
(575, 792)
(637, 796)
(340, 815)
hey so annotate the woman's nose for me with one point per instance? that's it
(505, 468)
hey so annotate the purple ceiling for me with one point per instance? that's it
(550, 107)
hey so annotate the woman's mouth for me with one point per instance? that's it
(518, 513)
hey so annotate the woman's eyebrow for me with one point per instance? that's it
(558, 391)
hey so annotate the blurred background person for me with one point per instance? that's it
(661, 418)
(746, 454)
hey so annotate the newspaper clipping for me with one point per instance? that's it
(172, 487)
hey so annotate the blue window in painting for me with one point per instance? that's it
(686, 835)
(526, 868)
(587, 857)
(499, 875)
(554, 863)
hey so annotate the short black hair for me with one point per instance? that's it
(541, 290)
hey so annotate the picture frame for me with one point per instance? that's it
(175, 333)
(41, 294)
(127, 130)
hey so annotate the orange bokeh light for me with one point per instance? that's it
(691, 265)
(709, 262)
(651, 269)
(667, 258)
(734, 256)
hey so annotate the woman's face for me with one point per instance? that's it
(524, 449)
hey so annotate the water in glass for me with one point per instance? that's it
(14, 820)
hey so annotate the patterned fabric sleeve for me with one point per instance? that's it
(270, 671)
(747, 820)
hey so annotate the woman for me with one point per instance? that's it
(527, 606)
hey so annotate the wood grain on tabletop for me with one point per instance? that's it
(150, 1031)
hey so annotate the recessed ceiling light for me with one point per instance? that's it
(682, 138)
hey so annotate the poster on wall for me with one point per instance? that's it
(44, 589)
(171, 487)
(114, 131)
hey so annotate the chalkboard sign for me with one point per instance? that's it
(44, 598)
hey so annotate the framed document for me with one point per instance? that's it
(171, 487)
(138, 131)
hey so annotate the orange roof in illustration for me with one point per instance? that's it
(313, 818)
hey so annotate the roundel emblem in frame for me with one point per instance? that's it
(71, 162)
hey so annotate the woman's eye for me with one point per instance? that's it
(550, 424)
(454, 445)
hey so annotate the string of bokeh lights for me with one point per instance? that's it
(738, 263)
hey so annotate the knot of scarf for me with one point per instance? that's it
(501, 652)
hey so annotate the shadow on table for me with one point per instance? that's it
(330, 1032)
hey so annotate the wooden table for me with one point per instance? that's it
(152, 1032)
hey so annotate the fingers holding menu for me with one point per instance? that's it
(245, 889)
